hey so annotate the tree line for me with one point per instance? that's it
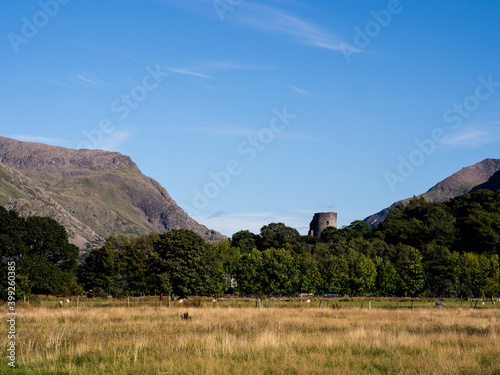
(448, 249)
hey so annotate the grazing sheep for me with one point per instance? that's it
(181, 300)
(67, 300)
(214, 300)
(308, 301)
(61, 304)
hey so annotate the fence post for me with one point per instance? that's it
(77, 301)
(128, 301)
(412, 305)
(369, 305)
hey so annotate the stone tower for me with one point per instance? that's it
(321, 221)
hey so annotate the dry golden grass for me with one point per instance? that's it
(149, 340)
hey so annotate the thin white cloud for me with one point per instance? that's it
(111, 141)
(228, 65)
(216, 214)
(63, 84)
(110, 51)
(473, 138)
(271, 19)
(89, 80)
(300, 91)
(187, 71)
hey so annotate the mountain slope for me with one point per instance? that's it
(461, 182)
(93, 193)
(492, 184)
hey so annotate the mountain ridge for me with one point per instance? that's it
(466, 180)
(93, 193)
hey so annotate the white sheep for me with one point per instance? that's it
(308, 301)
(67, 300)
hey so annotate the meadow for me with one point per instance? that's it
(235, 337)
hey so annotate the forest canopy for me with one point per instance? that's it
(448, 249)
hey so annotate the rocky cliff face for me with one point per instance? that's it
(92, 193)
(492, 184)
(468, 179)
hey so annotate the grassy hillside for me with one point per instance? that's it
(93, 193)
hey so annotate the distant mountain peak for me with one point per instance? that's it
(93, 193)
(464, 181)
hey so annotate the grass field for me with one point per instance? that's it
(234, 337)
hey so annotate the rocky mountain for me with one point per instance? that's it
(482, 175)
(92, 193)
(492, 184)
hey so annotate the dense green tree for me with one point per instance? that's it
(309, 273)
(44, 258)
(362, 274)
(411, 271)
(191, 267)
(386, 283)
(470, 277)
(439, 269)
(250, 273)
(277, 235)
(335, 275)
(280, 275)
(245, 240)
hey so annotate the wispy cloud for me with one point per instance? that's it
(216, 214)
(473, 137)
(300, 91)
(89, 80)
(187, 71)
(112, 141)
(104, 51)
(229, 65)
(269, 19)
(63, 84)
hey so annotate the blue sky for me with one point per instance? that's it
(251, 112)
